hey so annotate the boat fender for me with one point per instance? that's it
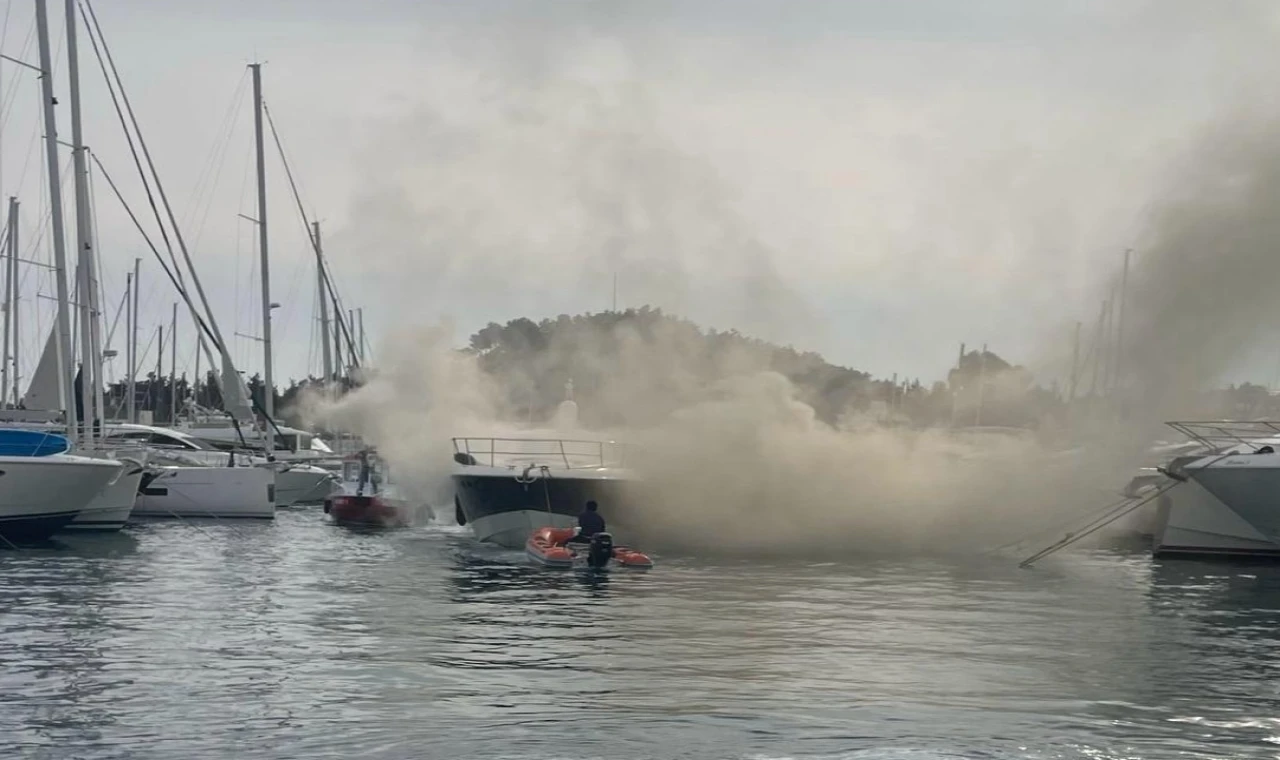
(557, 536)
(459, 516)
(632, 558)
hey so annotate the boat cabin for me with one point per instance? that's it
(147, 435)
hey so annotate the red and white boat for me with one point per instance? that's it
(551, 547)
(366, 498)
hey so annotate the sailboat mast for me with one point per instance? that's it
(63, 343)
(324, 305)
(14, 294)
(352, 337)
(360, 332)
(268, 394)
(337, 341)
(153, 387)
(90, 347)
(133, 344)
(9, 288)
(173, 368)
(128, 344)
(195, 388)
(1117, 363)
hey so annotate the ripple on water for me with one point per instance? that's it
(300, 640)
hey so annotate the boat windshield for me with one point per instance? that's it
(160, 439)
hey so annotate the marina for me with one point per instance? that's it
(564, 383)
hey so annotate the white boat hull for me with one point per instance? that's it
(503, 506)
(40, 495)
(294, 483)
(303, 485)
(1249, 484)
(224, 492)
(110, 509)
(1191, 521)
(512, 529)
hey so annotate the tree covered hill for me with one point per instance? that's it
(647, 359)
(635, 365)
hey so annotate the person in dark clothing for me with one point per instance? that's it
(589, 523)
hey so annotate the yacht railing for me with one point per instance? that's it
(1223, 434)
(567, 452)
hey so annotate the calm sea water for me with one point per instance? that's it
(302, 640)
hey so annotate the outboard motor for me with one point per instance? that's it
(600, 551)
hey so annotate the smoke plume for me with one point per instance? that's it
(859, 202)
(1202, 292)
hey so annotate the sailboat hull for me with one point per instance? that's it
(111, 508)
(41, 495)
(222, 492)
(303, 485)
(21, 529)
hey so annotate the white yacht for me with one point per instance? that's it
(294, 482)
(183, 490)
(113, 505)
(1228, 500)
(505, 488)
(186, 478)
(44, 488)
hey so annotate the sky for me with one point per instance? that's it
(878, 182)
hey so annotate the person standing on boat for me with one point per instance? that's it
(589, 523)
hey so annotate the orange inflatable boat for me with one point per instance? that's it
(551, 547)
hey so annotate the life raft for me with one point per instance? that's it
(550, 547)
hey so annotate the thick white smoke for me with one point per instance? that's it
(738, 464)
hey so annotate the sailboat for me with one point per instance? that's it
(44, 487)
(289, 452)
(294, 482)
(151, 481)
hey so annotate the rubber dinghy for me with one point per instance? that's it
(550, 547)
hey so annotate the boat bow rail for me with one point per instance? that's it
(566, 453)
(1220, 435)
